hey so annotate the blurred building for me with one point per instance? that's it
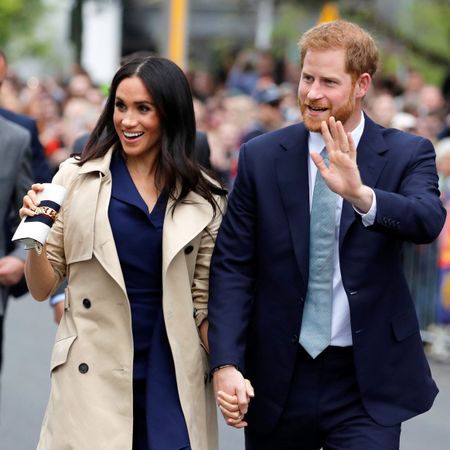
(110, 29)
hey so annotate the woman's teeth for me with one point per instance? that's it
(132, 135)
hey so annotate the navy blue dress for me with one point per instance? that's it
(158, 419)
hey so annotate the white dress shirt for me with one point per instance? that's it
(341, 334)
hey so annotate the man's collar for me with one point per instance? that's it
(316, 142)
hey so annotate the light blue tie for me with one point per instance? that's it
(315, 333)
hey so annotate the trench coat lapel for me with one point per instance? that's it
(183, 224)
(98, 186)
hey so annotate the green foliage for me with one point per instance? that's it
(428, 23)
(18, 19)
(292, 21)
(417, 36)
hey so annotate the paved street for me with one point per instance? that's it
(25, 386)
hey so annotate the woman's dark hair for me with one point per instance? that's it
(172, 98)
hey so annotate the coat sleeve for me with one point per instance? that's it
(55, 241)
(233, 272)
(415, 212)
(200, 283)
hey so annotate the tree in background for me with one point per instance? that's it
(18, 19)
(411, 33)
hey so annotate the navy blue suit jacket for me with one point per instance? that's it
(259, 271)
(39, 165)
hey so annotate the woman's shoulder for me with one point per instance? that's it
(218, 193)
(209, 178)
(67, 171)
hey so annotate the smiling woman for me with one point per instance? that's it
(134, 237)
(137, 123)
(136, 119)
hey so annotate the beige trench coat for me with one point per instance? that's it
(91, 404)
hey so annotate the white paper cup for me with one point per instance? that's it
(33, 230)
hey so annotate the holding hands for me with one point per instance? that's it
(342, 176)
(233, 394)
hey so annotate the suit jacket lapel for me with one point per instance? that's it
(292, 175)
(371, 160)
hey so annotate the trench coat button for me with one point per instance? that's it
(206, 377)
(83, 368)
(294, 339)
(188, 249)
(86, 303)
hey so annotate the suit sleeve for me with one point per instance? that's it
(415, 212)
(23, 184)
(232, 277)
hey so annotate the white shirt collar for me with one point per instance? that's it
(316, 143)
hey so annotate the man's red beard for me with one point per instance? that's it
(343, 113)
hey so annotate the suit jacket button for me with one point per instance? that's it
(86, 303)
(83, 368)
(188, 249)
(302, 300)
(294, 339)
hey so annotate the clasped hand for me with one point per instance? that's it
(233, 394)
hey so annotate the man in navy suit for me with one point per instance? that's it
(372, 374)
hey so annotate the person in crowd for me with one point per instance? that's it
(134, 237)
(39, 165)
(383, 109)
(16, 177)
(307, 294)
(269, 115)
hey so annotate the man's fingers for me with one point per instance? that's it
(249, 388)
(242, 399)
(327, 138)
(319, 162)
(352, 145)
(342, 138)
(333, 126)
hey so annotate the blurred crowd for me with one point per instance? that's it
(253, 96)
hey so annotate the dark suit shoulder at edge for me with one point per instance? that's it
(21, 119)
(14, 127)
(390, 134)
(274, 140)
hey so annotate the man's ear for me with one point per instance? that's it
(362, 85)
